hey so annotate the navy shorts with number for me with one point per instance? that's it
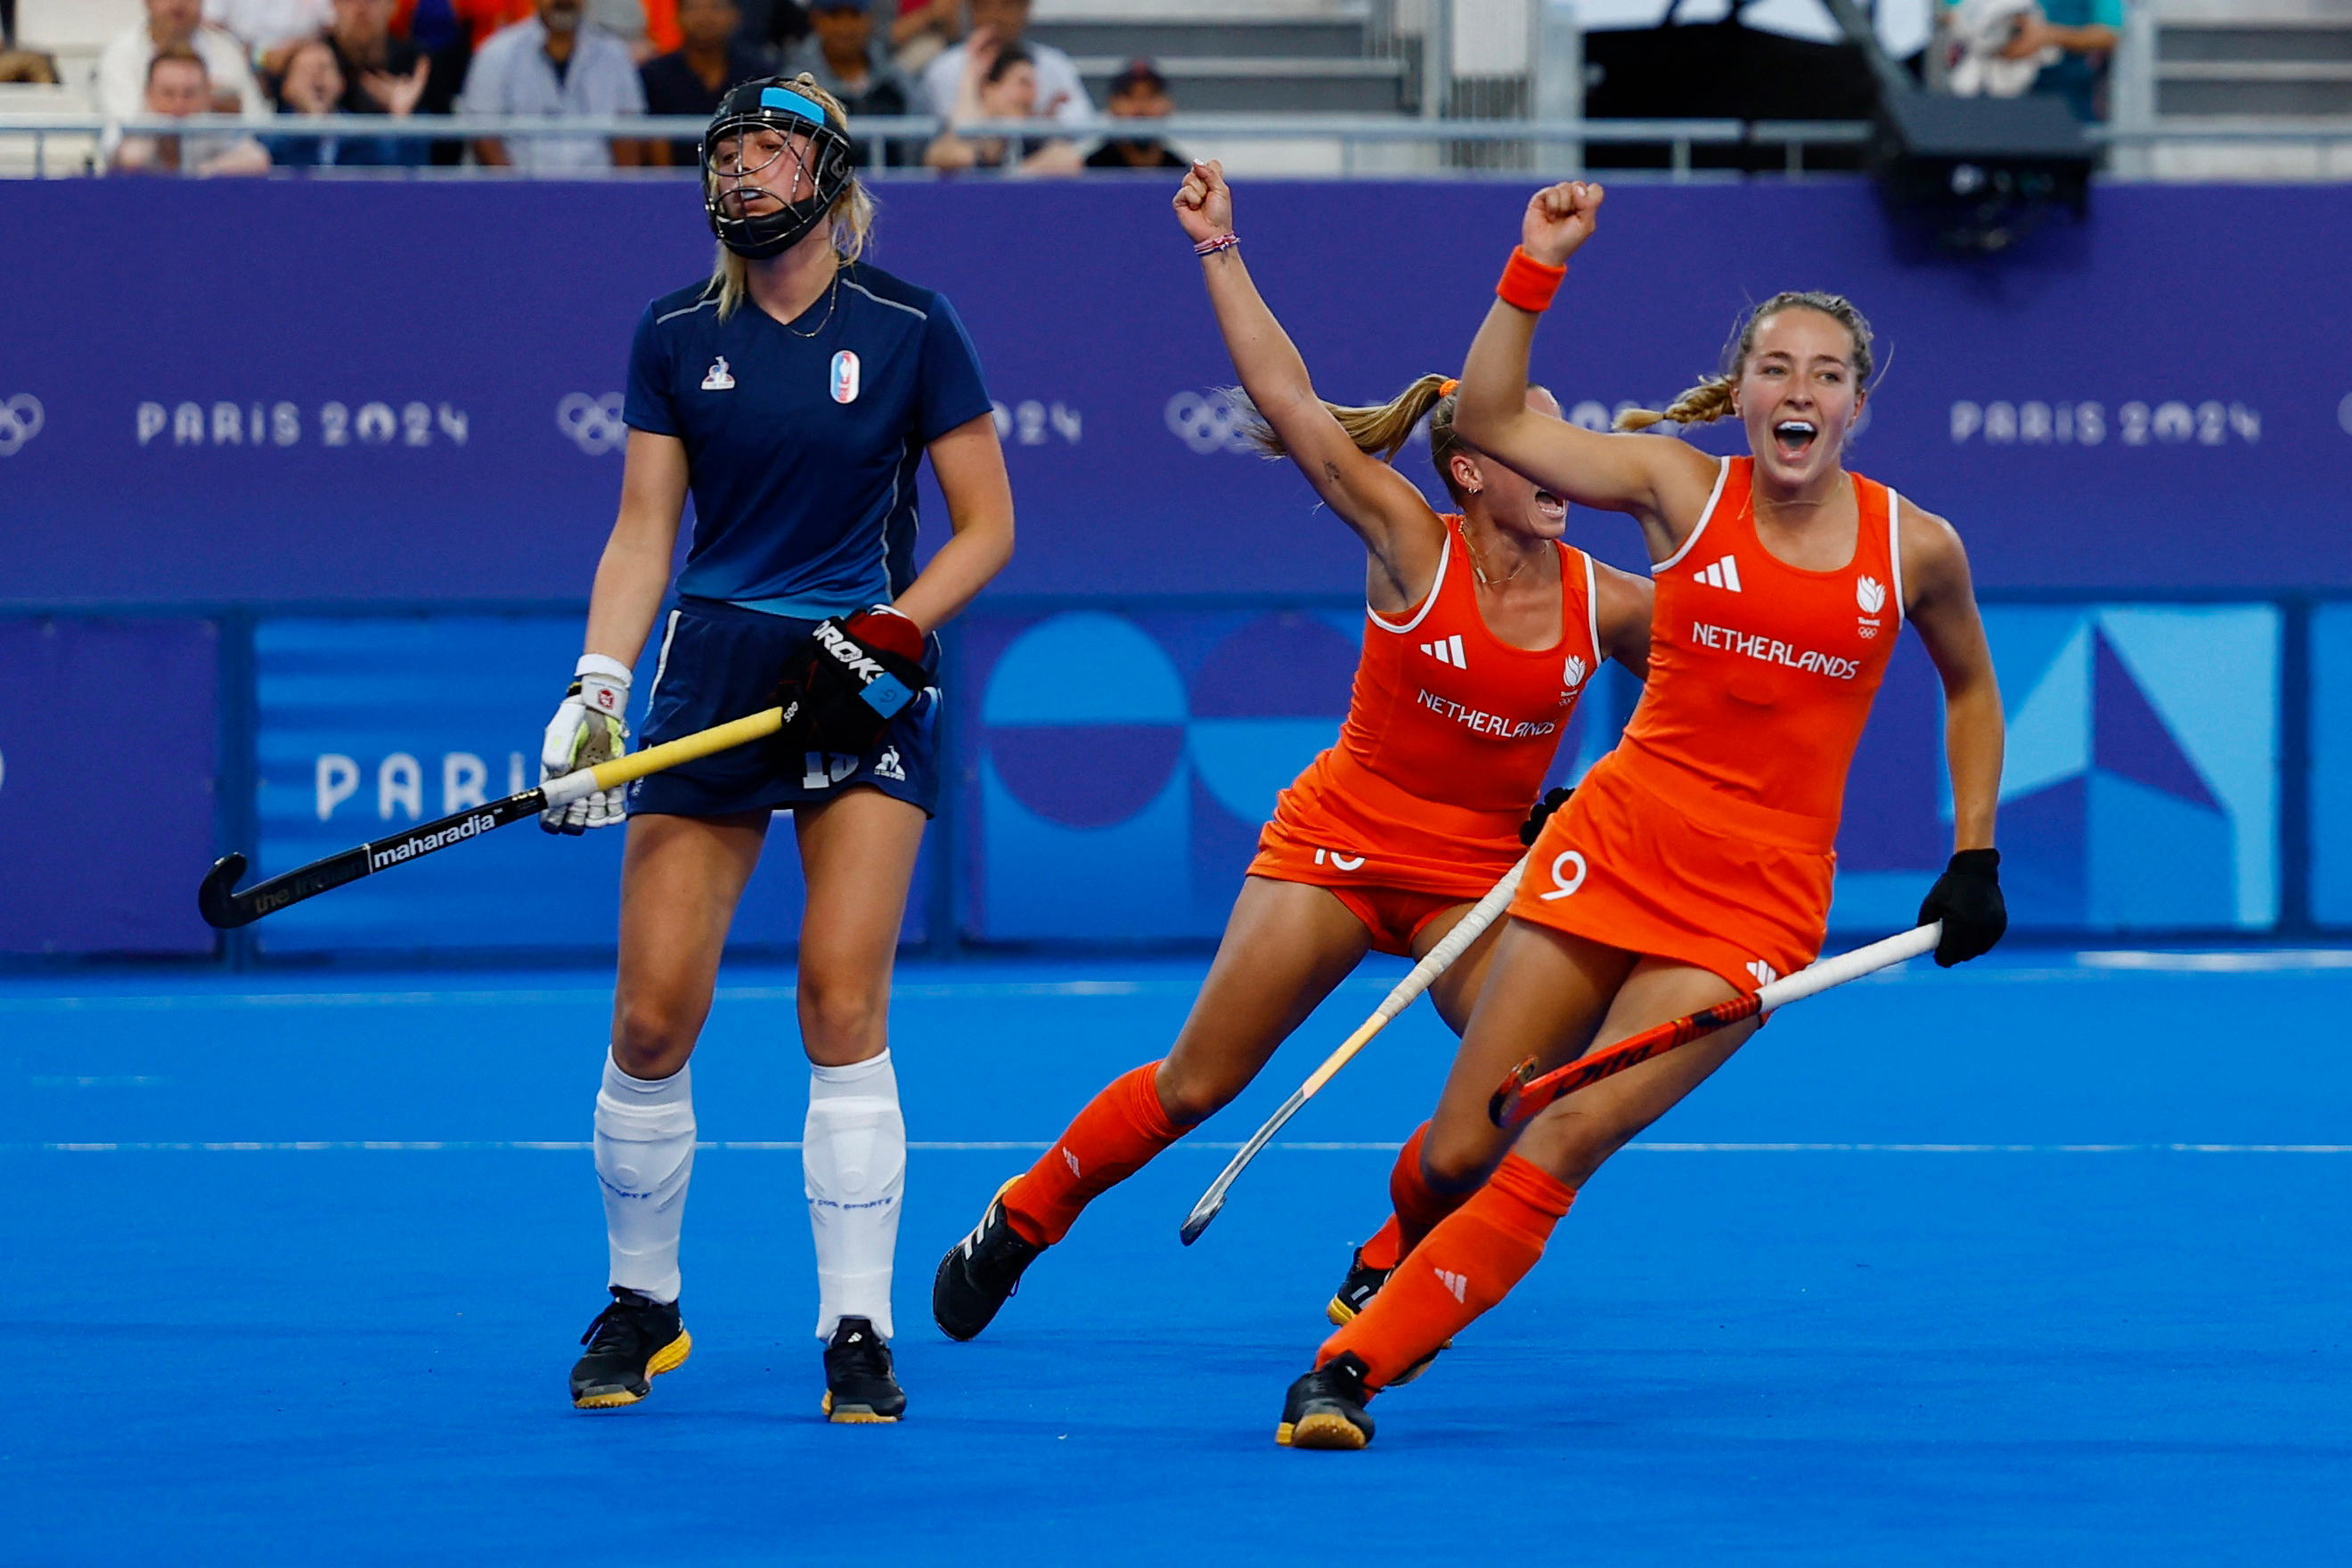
(720, 661)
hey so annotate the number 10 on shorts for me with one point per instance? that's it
(823, 770)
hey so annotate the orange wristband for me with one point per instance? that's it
(1528, 284)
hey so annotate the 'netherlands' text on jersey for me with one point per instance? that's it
(1449, 734)
(802, 449)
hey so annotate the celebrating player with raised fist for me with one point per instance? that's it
(1694, 862)
(794, 393)
(1481, 632)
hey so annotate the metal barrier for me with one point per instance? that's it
(1563, 139)
(1455, 149)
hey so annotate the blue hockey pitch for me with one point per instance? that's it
(2040, 1260)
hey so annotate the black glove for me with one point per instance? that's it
(1540, 813)
(1966, 898)
(841, 689)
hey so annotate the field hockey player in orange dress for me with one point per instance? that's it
(1694, 863)
(1481, 632)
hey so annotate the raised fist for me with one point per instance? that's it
(1204, 203)
(1560, 220)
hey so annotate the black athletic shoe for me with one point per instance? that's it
(632, 1341)
(1356, 1292)
(1326, 1408)
(859, 1384)
(981, 1272)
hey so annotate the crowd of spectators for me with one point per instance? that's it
(278, 63)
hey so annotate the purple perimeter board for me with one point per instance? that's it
(356, 392)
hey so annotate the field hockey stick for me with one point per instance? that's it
(225, 908)
(1449, 948)
(1522, 1094)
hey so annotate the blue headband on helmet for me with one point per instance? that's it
(793, 102)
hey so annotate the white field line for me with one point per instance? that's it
(2089, 965)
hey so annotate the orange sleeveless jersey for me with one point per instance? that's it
(1708, 834)
(1450, 731)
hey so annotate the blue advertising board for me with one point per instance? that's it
(1121, 764)
(108, 753)
(2083, 428)
(2139, 791)
(366, 723)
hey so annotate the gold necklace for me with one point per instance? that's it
(1479, 570)
(832, 297)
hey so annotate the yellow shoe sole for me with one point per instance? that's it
(1339, 1313)
(1334, 1433)
(852, 1417)
(669, 1358)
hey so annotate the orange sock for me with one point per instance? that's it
(1419, 1206)
(1114, 1137)
(1386, 1249)
(1466, 1265)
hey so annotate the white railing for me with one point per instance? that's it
(1528, 143)
(63, 144)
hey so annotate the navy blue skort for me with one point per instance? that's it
(719, 661)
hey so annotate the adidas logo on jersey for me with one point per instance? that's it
(1765, 974)
(1456, 1283)
(1724, 574)
(1447, 650)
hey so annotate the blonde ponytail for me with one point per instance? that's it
(1380, 431)
(1708, 401)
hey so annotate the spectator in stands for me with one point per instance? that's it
(179, 84)
(382, 74)
(998, 24)
(552, 65)
(846, 60)
(921, 29)
(1139, 92)
(176, 25)
(711, 60)
(312, 84)
(773, 27)
(1000, 83)
(436, 25)
(270, 28)
(2083, 35)
(2000, 48)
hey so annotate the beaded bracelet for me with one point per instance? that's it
(1220, 242)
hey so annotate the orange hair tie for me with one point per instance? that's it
(1448, 387)
(1528, 284)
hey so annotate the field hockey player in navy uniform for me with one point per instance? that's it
(794, 394)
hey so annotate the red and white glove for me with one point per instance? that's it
(591, 727)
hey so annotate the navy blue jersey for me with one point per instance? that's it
(801, 450)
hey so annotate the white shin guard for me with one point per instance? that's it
(854, 1163)
(644, 1153)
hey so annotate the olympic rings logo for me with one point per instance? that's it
(592, 423)
(21, 418)
(1207, 422)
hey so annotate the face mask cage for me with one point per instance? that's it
(769, 144)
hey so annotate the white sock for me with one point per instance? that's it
(645, 1153)
(854, 1163)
